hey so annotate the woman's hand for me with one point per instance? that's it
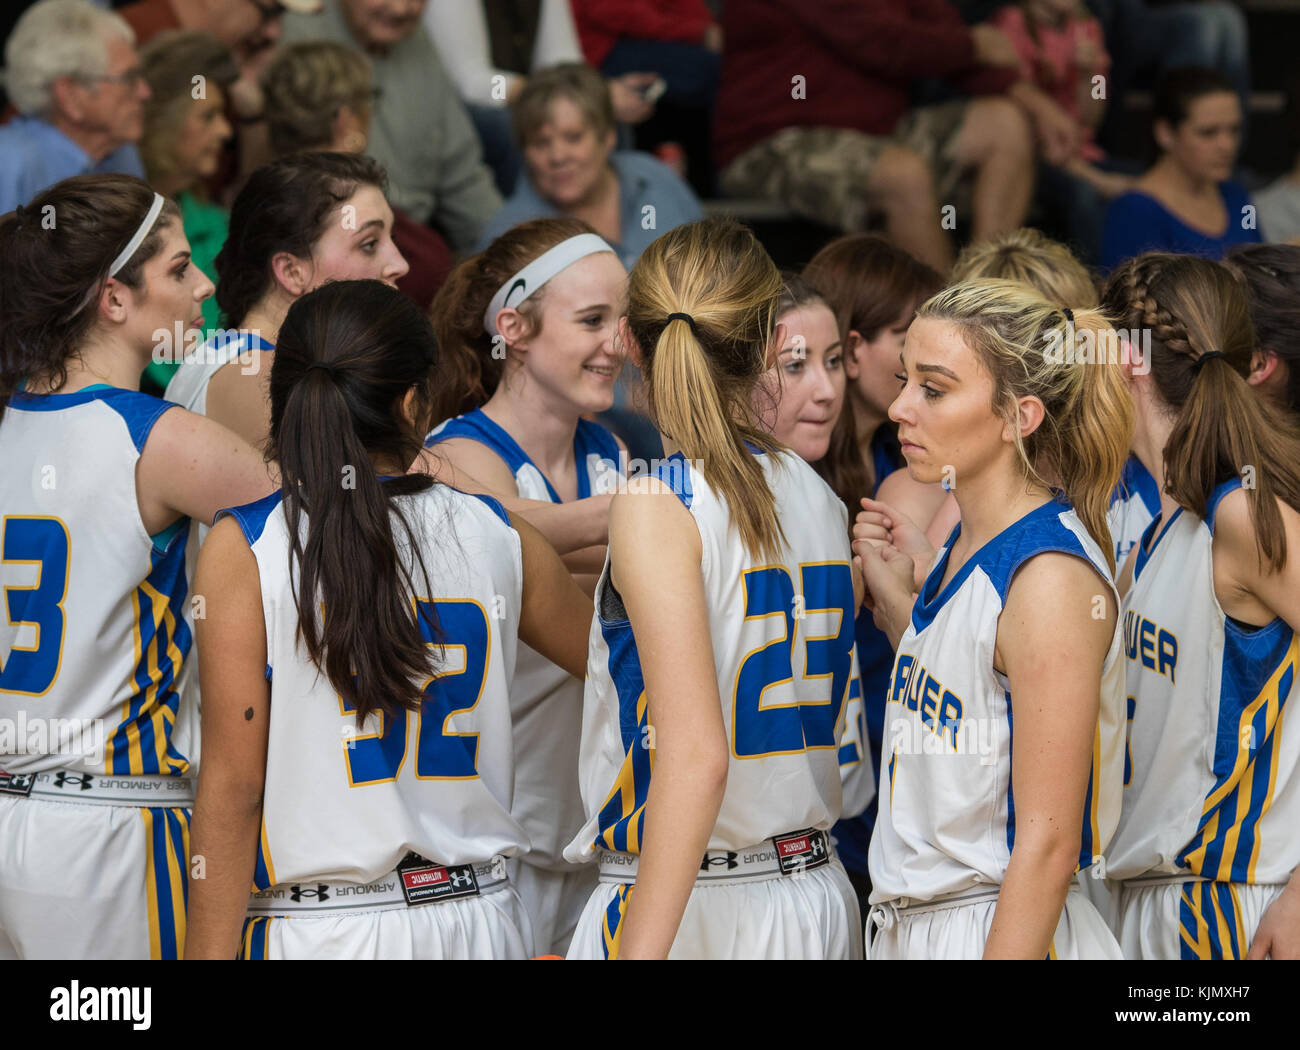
(1278, 936)
(887, 574)
(880, 525)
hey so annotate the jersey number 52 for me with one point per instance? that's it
(440, 754)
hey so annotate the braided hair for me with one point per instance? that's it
(1201, 340)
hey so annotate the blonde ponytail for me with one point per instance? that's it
(700, 369)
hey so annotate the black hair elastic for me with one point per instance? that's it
(1069, 314)
(1200, 361)
(324, 366)
(688, 319)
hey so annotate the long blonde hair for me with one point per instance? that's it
(700, 379)
(1027, 345)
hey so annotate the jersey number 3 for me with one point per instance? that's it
(786, 729)
(375, 758)
(43, 542)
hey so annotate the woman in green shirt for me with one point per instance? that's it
(185, 132)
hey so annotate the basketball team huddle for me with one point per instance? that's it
(949, 618)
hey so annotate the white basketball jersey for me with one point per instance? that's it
(348, 806)
(947, 817)
(189, 384)
(546, 699)
(1133, 505)
(1212, 778)
(93, 645)
(782, 633)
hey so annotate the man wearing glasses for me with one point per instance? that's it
(73, 75)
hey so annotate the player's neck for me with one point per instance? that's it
(267, 315)
(102, 359)
(543, 428)
(992, 501)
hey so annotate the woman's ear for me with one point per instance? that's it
(628, 342)
(774, 345)
(854, 344)
(513, 327)
(350, 131)
(1263, 364)
(1164, 135)
(291, 273)
(115, 301)
(1029, 415)
(610, 141)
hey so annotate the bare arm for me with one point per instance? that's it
(568, 527)
(1054, 665)
(685, 710)
(236, 718)
(556, 615)
(195, 467)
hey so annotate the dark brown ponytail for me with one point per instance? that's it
(347, 355)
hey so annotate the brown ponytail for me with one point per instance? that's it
(1192, 307)
(472, 367)
(700, 378)
(347, 355)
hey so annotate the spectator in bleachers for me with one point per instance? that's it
(420, 132)
(1063, 53)
(74, 77)
(1151, 40)
(250, 29)
(813, 112)
(564, 121)
(1187, 201)
(1279, 202)
(319, 96)
(185, 131)
(678, 41)
(489, 47)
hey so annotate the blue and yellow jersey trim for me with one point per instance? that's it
(141, 743)
(611, 923)
(1259, 669)
(1210, 923)
(253, 939)
(167, 879)
(621, 818)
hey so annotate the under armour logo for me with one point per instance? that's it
(321, 892)
(22, 781)
(81, 781)
(461, 879)
(713, 860)
(818, 846)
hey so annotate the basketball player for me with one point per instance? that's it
(544, 296)
(720, 662)
(357, 658)
(1207, 841)
(97, 483)
(1004, 716)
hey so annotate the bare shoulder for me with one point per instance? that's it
(465, 455)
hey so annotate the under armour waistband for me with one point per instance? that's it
(790, 854)
(100, 789)
(412, 883)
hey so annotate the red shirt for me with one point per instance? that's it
(602, 23)
(857, 58)
(427, 255)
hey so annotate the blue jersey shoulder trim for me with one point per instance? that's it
(1136, 480)
(588, 439)
(252, 516)
(477, 426)
(1038, 532)
(494, 505)
(138, 411)
(675, 472)
(1216, 497)
(1147, 545)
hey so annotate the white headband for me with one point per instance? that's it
(539, 271)
(138, 237)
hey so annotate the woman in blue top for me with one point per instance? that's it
(1187, 201)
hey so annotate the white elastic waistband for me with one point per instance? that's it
(1161, 879)
(789, 854)
(412, 883)
(100, 789)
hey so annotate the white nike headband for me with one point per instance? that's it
(539, 271)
